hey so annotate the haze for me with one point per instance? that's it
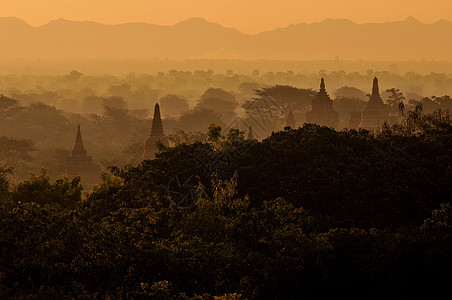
(251, 16)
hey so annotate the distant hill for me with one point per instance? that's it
(198, 38)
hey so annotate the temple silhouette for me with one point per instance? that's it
(290, 121)
(375, 113)
(250, 136)
(156, 134)
(322, 112)
(79, 163)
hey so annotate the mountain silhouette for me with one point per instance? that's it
(197, 38)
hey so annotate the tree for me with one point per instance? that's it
(173, 105)
(255, 73)
(198, 120)
(4, 181)
(6, 102)
(350, 92)
(39, 189)
(115, 108)
(445, 102)
(288, 96)
(13, 151)
(182, 137)
(219, 101)
(395, 97)
(92, 104)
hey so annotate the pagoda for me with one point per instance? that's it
(375, 113)
(322, 112)
(156, 134)
(290, 121)
(250, 136)
(79, 163)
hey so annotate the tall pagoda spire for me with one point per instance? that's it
(375, 112)
(79, 163)
(79, 149)
(157, 126)
(375, 89)
(375, 98)
(322, 85)
(322, 111)
(322, 92)
(156, 134)
(250, 134)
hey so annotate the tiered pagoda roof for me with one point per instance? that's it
(156, 134)
(322, 112)
(375, 113)
(79, 163)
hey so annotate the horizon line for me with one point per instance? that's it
(408, 18)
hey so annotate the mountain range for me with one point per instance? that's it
(197, 38)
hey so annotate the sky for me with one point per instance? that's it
(248, 16)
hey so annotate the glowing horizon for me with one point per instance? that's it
(252, 16)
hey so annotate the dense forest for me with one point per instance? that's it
(305, 213)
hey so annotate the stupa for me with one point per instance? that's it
(375, 113)
(322, 112)
(79, 163)
(156, 134)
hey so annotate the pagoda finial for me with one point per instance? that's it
(375, 89)
(78, 140)
(156, 134)
(79, 149)
(322, 92)
(157, 126)
(79, 135)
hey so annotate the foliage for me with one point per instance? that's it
(4, 182)
(288, 96)
(305, 214)
(6, 102)
(173, 105)
(39, 189)
(350, 92)
(13, 150)
(182, 137)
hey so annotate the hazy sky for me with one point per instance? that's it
(249, 16)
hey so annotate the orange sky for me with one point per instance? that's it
(248, 16)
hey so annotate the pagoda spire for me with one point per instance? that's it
(156, 134)
(375, 97)
(322, 91)
(375, 112)
(78, 146)
(375, 89)
(250, 134)
(322, 112)
(157, 126)
(79, 163)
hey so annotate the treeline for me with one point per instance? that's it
(75, 91)
(307, 213)
(35, 134)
